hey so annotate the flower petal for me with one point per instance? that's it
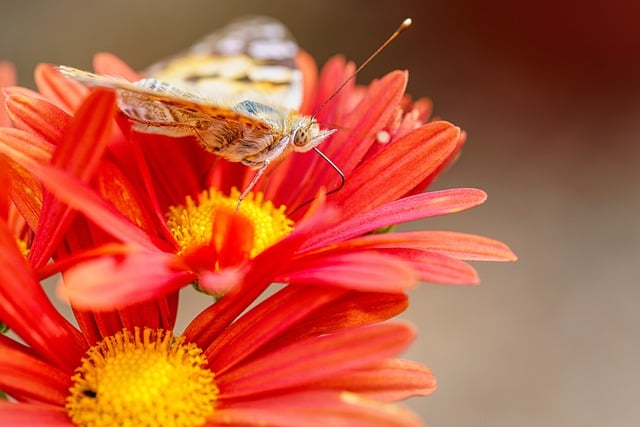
(110, 282)
(315, 359)
(81, 197)
(29, 414)
(313, 409)
(80, 152)
(22, 296)
(393, 172)
(257, 275)
(38, 116)
(363, 271)
(264, 322)
(410, 208)
(24, 190)
(353, 309)
(307, 66)
(64, 92)
(471, 247)
(7, 78)
(111, 65)
(437, 268)
(388, 381)
(24, 376)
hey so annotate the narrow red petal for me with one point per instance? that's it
(388, 381)
(367, 119)
(25, 192)
(55, 339)
(110, 282)
(17, 144)
(38, 116)
(7, 78)
(307, 66)
(82, 198)
(393, 172)
(269, 319)
(352, 310)
(451, 243)
(363, 271)
(114, 185)
(257, 275)
(315, 359)
(437, 268)
(64, 92)
(318, 408)
(28, 415)
(410, 208)
(111, 65)
(220, 283)
(80, 152)
(347, 147)
(24, 376)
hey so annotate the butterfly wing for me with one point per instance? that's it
(249, 59)
(160, 108)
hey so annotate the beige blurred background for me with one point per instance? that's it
(549, 97)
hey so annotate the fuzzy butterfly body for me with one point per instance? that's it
(236, 91)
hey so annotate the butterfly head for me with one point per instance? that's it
(307, 135)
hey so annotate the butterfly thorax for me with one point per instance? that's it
(286, 131)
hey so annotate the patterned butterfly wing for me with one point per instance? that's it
(249, 59)
(158, 107)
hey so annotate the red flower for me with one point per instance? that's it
(304, 356)
(136, 184)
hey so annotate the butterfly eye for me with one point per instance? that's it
(301, 137)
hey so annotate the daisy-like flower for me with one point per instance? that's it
(305, 356)
(174, 206)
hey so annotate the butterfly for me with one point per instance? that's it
(236, 91)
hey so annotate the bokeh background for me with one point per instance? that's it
(548, 93)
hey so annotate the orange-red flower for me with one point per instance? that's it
(386, 152)
(304, 356)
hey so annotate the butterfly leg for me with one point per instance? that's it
(262, 167)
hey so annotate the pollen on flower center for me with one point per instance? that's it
(144, 378)
(191, 223)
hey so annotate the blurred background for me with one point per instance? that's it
(548, 93)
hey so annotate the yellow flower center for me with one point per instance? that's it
(146, 378)
(192, 223)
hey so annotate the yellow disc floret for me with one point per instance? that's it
(191, 223)
(145, 378)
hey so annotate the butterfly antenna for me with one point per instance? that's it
(335, 190)
(335, 167)
(405, 24)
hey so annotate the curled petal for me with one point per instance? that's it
(110, 282)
